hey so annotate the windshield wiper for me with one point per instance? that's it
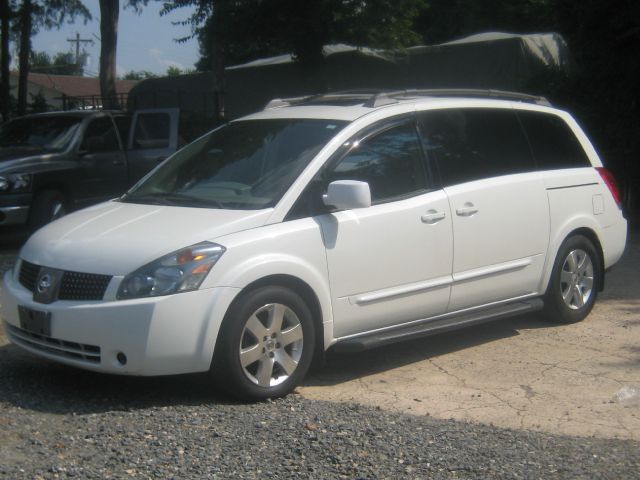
(171, 199)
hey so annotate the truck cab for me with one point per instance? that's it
(53, 163)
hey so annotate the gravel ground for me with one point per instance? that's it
(59, 422)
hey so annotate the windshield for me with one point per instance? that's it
(49, 133)
(243, 165)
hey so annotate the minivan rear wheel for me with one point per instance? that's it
(265, 345)
(573, 286)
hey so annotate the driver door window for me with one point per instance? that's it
(389, 161)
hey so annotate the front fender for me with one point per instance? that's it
(294, 249)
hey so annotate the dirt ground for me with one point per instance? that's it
(521, 373)
(517, 373)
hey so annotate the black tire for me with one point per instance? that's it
(573, 287)
(276, 358)
(45, 208)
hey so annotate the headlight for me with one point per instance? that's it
(15, 182)
(180, 271)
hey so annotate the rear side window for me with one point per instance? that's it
(553, 142)
(472, 144)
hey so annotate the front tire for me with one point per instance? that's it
(266, 344)
(573, 287)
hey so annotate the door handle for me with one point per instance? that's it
(433, 216)
(467, 210)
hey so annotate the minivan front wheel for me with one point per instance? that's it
(266, 344)
(573, 287)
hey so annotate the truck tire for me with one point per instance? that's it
(48, 206)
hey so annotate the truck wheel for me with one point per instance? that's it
(45, 208)
(265, 345)
(573, 287)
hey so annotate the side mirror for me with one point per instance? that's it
(93, 145)
(347, 194)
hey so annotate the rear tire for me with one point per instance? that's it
(45, 208)
(573, 287)
(265, 346)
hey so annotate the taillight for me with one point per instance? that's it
(610, 181)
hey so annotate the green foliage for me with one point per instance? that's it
(49, 14)
(254, 28)
(38, 103)
(63, 63)
(138, 75)
(173, 71)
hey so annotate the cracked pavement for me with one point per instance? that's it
(522, 373)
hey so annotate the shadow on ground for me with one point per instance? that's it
(35, 384)
(30, 383)
(343, 367)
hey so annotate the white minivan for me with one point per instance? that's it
(345, 221)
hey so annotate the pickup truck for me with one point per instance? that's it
(52, 163)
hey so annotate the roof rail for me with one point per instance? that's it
(385, 98)
(377, 98)
(337, 97)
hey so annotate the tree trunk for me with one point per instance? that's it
(26, 11)
(109, 12)
(217, 58)
(5, 13)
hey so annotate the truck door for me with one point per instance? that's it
(102, 162)
(152, 138)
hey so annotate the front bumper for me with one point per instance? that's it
(159, 336)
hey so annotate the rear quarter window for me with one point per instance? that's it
(553, 143)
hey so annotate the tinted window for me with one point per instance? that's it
(46, 132)
(471, 144)
(553, 143)
(101, 136)
(389, 162)
(152, 130)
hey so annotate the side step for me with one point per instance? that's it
(435, 326)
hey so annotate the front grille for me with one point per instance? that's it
(29, 275)
(54, 346)
(73, 285)
(83, 286)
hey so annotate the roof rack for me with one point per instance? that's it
(373, 98)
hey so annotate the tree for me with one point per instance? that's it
(109, 13)
(173, 71)
(6, 13)
(35, 14)
(138, 75)
(63, 63)
(232, 31)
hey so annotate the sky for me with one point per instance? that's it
(145, 40)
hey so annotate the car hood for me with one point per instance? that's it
(115, 238)
(14, 159)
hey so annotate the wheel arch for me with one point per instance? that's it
(587, 232)
(307, 294)
(321, 318)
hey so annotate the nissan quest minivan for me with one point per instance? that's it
(345, 221)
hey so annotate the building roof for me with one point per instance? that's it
(73, 86)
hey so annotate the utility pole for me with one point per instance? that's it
(78, 41)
